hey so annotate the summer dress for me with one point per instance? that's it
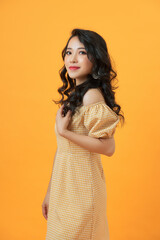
(78, 198)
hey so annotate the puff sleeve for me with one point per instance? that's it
(100, 120)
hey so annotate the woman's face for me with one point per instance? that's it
(76, 55)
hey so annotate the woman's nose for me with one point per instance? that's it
(73, 58)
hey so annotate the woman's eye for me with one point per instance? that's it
(70, 52)
(67, 52)
(83, 52)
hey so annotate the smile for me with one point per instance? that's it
(74, 68)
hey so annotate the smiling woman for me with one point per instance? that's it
(75, 203)
(76, 61)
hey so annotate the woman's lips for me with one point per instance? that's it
(73, 68)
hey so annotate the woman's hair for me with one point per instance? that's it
(102, 70)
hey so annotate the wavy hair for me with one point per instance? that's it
(101, 77)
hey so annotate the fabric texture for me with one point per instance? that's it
(78, 197)
(100, 120)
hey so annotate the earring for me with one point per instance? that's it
(95, 76)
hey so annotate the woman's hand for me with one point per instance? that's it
(45, 205)
(62, 122)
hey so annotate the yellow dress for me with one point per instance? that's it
(78, 198)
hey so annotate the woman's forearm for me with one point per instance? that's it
(91, 144)
(49, 185)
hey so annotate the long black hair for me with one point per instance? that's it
(101, 77)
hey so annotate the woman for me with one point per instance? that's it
(75, 203)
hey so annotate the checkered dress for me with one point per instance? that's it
(78, 198)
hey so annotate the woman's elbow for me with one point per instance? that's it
(108, 148)
(111, 149)
(110, 153)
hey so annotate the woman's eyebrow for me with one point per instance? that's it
(77, 48)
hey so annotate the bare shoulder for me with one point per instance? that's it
(93, 95)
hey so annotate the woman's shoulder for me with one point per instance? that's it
(92, 96)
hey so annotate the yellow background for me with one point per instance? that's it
(33, 34)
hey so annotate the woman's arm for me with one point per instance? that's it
(97, 145)
(49, 185)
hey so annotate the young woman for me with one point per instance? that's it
(75, 203)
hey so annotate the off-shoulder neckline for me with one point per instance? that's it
(92, 104)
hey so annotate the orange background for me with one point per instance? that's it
(33, 34)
